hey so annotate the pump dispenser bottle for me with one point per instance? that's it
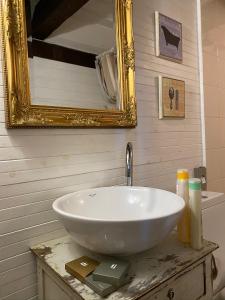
(195, 213)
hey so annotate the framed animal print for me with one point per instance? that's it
(168, 38)
(171, 98)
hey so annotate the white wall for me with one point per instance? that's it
(57, 83)
(90, 29)
(213, 31)
(38, 165)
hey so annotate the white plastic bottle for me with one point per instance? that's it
(195, 213)
(184, 225)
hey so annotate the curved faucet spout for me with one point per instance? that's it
(129, 164)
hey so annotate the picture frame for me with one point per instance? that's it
(171, 98)
(22, 113)
(168, 35)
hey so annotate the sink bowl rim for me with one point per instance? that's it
(63, 213)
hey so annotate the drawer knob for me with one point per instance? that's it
(170, 294)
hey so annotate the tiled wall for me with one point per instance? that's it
(213, 31)
(39, 165)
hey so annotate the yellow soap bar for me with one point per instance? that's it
(81, 267)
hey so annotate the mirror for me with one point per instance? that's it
(72, 53)
(69, 63)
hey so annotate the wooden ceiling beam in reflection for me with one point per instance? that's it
(50, 14)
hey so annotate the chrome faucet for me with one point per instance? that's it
(129, 164)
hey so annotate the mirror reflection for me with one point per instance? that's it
(72, 53)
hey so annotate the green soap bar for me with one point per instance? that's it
(111, 271)
(102, 288)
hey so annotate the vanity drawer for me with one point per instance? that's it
(188, 286)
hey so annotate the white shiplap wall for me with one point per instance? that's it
(57, 83)
(39, 165)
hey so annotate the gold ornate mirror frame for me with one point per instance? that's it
(19, 110)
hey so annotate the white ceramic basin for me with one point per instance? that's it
(119, 220)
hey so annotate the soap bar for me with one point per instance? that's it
(111, 271)
(102, 288)
(81, 267)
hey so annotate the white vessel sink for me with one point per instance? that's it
(119, 220)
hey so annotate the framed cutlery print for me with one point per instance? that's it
(171, 98)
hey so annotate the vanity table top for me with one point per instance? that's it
(150, 268)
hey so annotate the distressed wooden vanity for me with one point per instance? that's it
(168, 271)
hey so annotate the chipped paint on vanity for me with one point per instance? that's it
(42, 251)
(150, 268)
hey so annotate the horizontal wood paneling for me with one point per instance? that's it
(39, 165)
(22, 282)
(63, 84)
(27, 293)
(9, 252)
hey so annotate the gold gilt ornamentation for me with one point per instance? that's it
(127, 3)
(19, 108)
(80, 119)
(19, 111)
(40, 118)
(14, 24)
(130, 114)
(129, 56)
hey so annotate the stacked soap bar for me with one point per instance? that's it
(102, 288)
(104, 278)
(112, 271)
(81, 267)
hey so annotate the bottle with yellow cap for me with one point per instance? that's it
(184, 225)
